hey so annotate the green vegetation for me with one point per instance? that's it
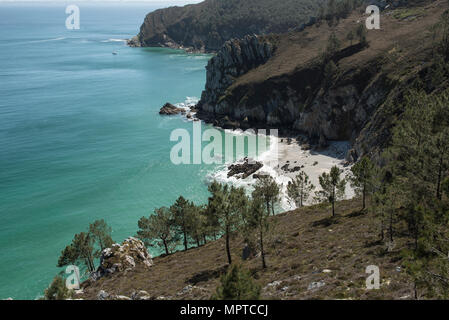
(361, 178)
(300, 189)
(258, 220)
(267, 189)
(333, 187)
(86, 246)
(157, 230)
(237, 284)
(209, 24)
(407, 13)
(57, 290)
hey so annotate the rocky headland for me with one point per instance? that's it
(206, 26)
(280, 81)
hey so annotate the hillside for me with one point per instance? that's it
(305, 248)
(207, 25)
(291, 88)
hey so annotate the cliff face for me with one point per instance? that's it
(206, 26)
(302, 100)
(234, 59)
(284, 83)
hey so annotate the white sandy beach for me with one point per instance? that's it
(288, 154)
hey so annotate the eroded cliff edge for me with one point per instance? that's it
(282, 82)
(204, 27)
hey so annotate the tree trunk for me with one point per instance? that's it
(440, 173)
(391, 225)
(185, 239)
(166, 247)
(228, 250)
(364, 197)
(333, 202)
(262, 252)
(333, 208)
(382, 233)
(272, 208)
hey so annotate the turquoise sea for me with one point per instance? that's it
(80, 134)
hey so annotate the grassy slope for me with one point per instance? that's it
(406, 31)
(303, 243)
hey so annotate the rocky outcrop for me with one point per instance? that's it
(302, 101)
(206, 26)
(245, 169)
(234, 59)
(131, 253)
(169, 110)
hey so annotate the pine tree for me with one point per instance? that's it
(180, 210)
(159, 230)
(361, 178)
(237, 284)
(299, 189)
(333, 187)
(57, 290)
(230, 205)
(101, 234)
(260, 222)
(81, 250)
(268, 189)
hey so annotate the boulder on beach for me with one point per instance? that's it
(169, 110)
(245, 169)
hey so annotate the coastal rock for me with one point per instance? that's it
(123, 257)
(316, 285)
(169, 110)
(299, 100)
(204, 27)
(102, 295)
(140, 295)
(235, 58)
(245, 169)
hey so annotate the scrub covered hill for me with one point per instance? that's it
(207, 25)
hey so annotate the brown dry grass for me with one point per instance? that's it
(402, 41)
(303, 243)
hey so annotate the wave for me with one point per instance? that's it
(269, 161)
(115, 40)
(188, 103)
(39, 41)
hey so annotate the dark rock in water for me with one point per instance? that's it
(169, 110)
(244, 169)
(260, 176)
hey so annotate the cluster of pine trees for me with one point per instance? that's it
(229, 211)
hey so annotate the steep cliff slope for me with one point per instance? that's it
(295, 90)
(207, 25)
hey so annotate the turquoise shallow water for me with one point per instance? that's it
(80, 134)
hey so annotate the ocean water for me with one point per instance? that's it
(80, 134)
